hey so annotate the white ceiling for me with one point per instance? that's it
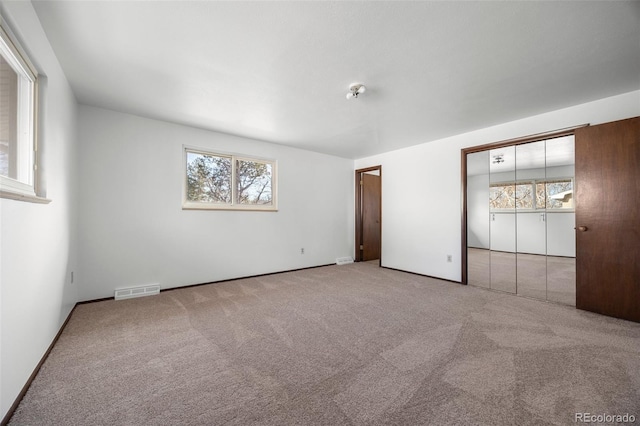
(279, 71)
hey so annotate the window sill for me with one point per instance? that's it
(23, 197)
(229, 208)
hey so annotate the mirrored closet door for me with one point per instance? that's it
(520, 219)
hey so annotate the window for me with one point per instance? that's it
(511, 196)
(555, 194)
(549, 195)
(17, 120)
(222, 181)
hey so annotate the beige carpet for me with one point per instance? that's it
(337, 345)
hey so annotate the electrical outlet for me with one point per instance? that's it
(302, 251)
(449, 258)
(71, 277)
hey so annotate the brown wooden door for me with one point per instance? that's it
(608, 219)
(371, 191)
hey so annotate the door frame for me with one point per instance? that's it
(463, 177)
(358, 212)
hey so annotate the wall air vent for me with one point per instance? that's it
(145, 290)
(343, 260)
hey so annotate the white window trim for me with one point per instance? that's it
(190, 205)
(13, 188)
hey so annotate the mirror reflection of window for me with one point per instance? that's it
(521, 219)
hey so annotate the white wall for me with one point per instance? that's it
(478, 224)
(38, 249)
(421, 185)
(543, 173)
(133, 230)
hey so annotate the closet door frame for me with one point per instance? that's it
(500, 144)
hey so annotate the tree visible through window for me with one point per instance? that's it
(511, 196)
(208, 178)
(218, 181)
(549, 194)
(254, 182)
(555, 194)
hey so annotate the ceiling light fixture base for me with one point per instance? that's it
(355, 89)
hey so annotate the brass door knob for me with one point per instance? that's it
(582, 228)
